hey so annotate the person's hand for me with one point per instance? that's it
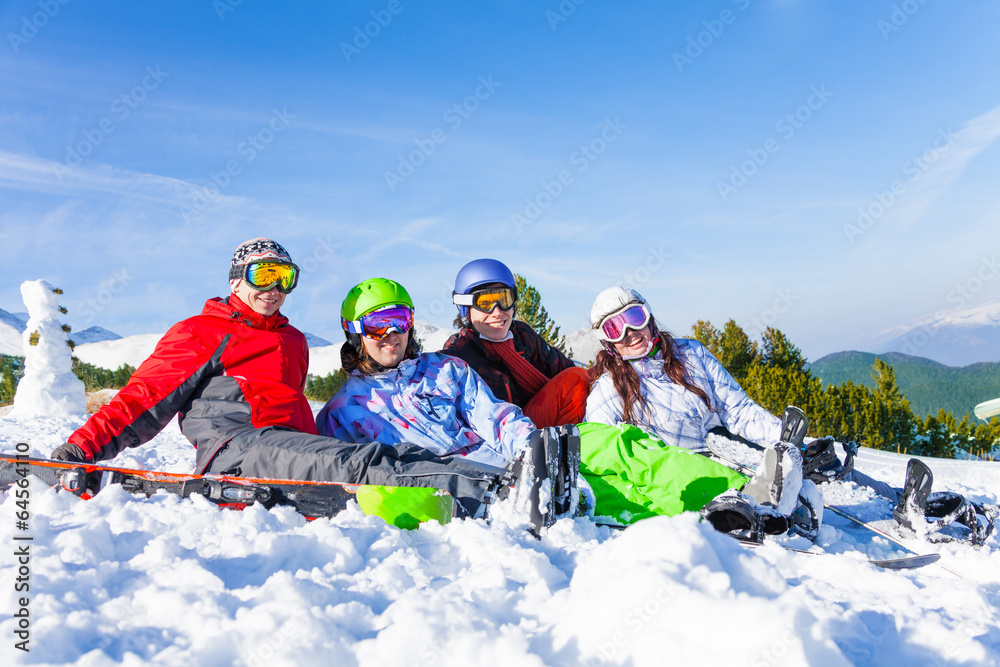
(70, 452)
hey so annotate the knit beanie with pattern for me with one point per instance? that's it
(255, 250)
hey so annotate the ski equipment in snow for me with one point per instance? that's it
(405, 507)
(778, 479)
(911, 507)
(735, 514)
(902, 563)
(794, 425)
(545, 475)
(820, 462)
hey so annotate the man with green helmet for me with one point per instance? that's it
(437, 408)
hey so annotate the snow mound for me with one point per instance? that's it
(111, 354)
(126, 579)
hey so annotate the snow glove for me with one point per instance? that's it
(70, 452)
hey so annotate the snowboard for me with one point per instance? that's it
(404, 507)
(861, 534)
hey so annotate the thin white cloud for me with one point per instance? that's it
(974, 137)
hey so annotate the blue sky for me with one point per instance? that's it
(716, 156)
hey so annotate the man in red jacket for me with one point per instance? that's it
(234, 376)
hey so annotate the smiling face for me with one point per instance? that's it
(494, 324)
(388, 351)
(265, 303)
(634, 343)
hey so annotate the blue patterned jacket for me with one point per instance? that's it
(435, 401)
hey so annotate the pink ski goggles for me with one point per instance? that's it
(614, 327)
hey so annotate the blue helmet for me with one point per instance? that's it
(480, 272)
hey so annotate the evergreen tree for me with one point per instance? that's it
(737, 351)
(889, 422)
(774, 388)
(531, 311)
(95, 378)
(8, 385)
(709, 336)
(780, 352)
(935, 437)
(322, 388)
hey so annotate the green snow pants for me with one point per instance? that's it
(635, 476)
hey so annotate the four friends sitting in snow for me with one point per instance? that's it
(496, 414)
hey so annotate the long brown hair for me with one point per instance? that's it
(354, 356)
(626, 380)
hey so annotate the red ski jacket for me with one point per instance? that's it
(224, 371)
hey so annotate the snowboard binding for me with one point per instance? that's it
(912, 505)
(943, 516)
(794, 425)
(820, 462)
(736, 515)
(552, 459)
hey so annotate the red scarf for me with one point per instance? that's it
(527, 376)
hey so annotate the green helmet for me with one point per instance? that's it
(370, 294)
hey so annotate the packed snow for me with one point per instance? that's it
(129, 580)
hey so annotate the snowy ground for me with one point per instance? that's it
(119, 579)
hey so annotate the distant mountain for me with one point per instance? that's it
(956, 337)
(583, 345)
(13, 320)
(10, 340)
(927, 384)
(313, 340)
(92, 335)
(11, 328)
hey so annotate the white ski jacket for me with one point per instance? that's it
(679, 417)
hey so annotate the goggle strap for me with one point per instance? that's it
(463, 299)
(353, 326)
